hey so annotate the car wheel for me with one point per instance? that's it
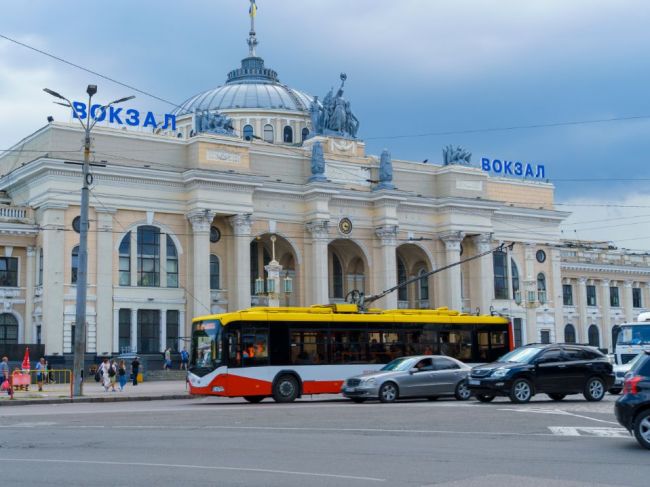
(358, 400)
(557, 397)
(285, 389)
(462, 392)
(521, 391)
(485, 397)
(595, 389)
(254, 399)
(388, 392)
(642, 429)
(615, 391)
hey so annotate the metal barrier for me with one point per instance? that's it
(55, 381)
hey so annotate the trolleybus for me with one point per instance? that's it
(632, 339)
(288, 352)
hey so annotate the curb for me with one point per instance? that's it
(26, 402)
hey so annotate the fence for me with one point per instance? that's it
(55, 382)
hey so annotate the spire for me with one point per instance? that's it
(252, 39)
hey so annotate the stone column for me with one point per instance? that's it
(29, 297)
(53, 218)
(240, 265)
(627, 303)
(134, 330)
(201, 221)
(451, 276)
(163, 330)
(104, 280)
(387, 267)
(482, 275)
(318, 282)
(605, 335)
(581, 329)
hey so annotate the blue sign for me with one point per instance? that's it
(513, 168)
(121, 116)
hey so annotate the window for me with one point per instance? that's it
(591, 295)
(402, 292)
(8, 272)
(637, 301)
(540, 255)
(567, 294)
(550, 355)
(424, 285)
(444, 364)
(172, 263)
(171, 334)
(40, 267)
(545, 336)
(337, 277)
(500, 275)
(268, 133)
(541, 282)
(124, 342)
(148, 256)
(254, 344)
(308, 346)
(8, 329)
(575, 354)
(305, 133)
(614, 299)
(148, 331)
(515, 278)
(517, 328)
(248, 132)
(125, 260)
(74, 265)
(594, 336)
(288, 135)
(214, 272)
(569, 334)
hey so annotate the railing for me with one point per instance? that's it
(21, 213)
(51, 382)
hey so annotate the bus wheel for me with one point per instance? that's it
(254, 399)
(285, 389)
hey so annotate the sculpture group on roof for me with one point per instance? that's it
(212, 122)
(334, 116)
(456, 155)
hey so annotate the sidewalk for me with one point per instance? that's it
(94, 392)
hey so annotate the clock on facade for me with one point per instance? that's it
(345, 226)
(541, 256)
(215, 234)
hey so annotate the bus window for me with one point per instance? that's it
(255, 344)
(348, 346)
(308, 347)
(457, 344)
(234, 347)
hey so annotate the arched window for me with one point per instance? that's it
(402, 292)
(515, 279)
(268, 133)
(148, 256)
(74, 264)
(337, 277)
(172, 263)
(541, 288)
(594, 336)
(125, 260)
(355, 277)
(500, 263)
(288, 135)
(248, 132)
(8, 329)
(305, 134)
(214, 272)
(569, 334)
(423, 285)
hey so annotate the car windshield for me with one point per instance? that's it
(398, 364)
(634, 335)
(522, 355)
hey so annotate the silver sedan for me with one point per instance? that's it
(429, 376)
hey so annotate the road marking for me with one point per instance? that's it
(197, 467)
(589, 431)
(556, 411)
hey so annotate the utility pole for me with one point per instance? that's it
(79, 346)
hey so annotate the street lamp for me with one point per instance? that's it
(82, 272)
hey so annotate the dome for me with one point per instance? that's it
(252, 86)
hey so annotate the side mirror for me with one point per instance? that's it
(414, 370)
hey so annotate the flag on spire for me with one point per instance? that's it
(252, 11)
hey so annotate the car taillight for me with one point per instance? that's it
(631, 385)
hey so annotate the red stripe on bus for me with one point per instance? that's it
(322, 386)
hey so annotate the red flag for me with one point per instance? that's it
(26, 365)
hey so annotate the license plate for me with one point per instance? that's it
(349, 389)
(473, 382)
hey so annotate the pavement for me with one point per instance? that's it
(321, 441)
(94, 392)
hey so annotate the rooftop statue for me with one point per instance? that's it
(317, 163)
(456, 155)
(213, 123)
(385, 171)
(334, 116)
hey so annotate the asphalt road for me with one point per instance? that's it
(324, 441)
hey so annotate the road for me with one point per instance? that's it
(320, 441)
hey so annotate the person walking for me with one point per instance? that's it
(4, 374)
(104, 374)
(168, 359)
(121, 374)
(135, 369)
(185, 358)
(41, 371)
(112, 374)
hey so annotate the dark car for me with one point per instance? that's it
(555, 369)
(633, 408)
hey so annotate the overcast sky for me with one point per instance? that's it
(414, 67)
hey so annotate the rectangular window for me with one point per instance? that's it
(254, 344)
(148, 330)
(125, 260)
(148, 257)
(308, 346)
(567, 294)
(614, 299)
(500, 261)
(172, 329)
(545, 336)
(637, 302)
(172, 263)
(8, 272)
(591, 295)
(124, 342)
(517, 329)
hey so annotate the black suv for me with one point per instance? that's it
(555, 369)
(633, 408)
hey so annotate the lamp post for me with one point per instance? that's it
(82, 272)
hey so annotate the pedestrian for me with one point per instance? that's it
(4, 375)
(112, 374)
(185, 358)
(121, 374)
(104, 374)
(168, 359)
(41, 371)
(135, 369)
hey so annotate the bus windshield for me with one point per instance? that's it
(634, 335)
(206, 345)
